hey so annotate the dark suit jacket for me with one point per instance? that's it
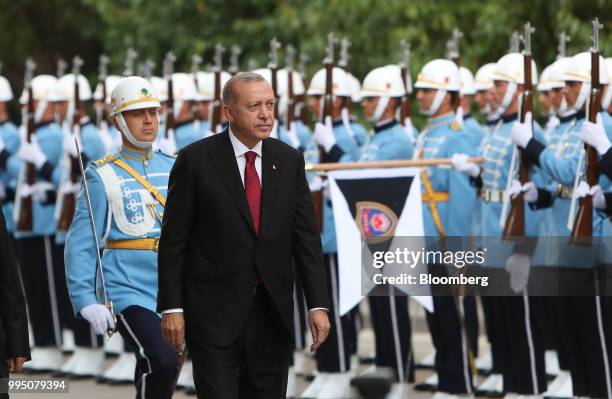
(209, 254)
(13, 318)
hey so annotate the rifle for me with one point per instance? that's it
(302, 71)
(196, 60)
(562, 47)
(405, 69)
(273, 65)
(25, 220)
(215, 114)
(168, 71)
(289, 56)
(515, 223)
(514, 42)
(345, 44)
(69, 199)
(452, 53)
(129, 62)
(102, 113)
(326, 111)
(583, 223)
(146, 69)
(61, 68)
(234, 64)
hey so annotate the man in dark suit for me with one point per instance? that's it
(238, 221)
(14, 346)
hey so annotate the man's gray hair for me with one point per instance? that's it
(230, 96)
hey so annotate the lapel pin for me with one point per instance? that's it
(273, 166)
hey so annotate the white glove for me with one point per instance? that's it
(326, 190)
(514, 189)
(531, 192)
(518, 265)
(31, 153)
(594, 135)
(409, 129)
(167, 144)
(293, 137)
(599, 200)
(69, 187)
(69, 144)
(2, 145)
(582, 190)
(316, 184)
(522, 132)
(324, 134)
(99, 317)
(36, 191)
(461, 164)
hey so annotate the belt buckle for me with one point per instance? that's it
(156, 244)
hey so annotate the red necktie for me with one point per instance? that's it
(252, 187)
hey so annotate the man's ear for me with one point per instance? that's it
(227, 111)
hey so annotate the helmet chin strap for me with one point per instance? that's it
(40, 110)
(582, 96)
(507, 100)
(605, 102)
(380, 109)
(435, 104)
(178, 106)
(143, 145)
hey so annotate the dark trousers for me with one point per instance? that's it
(583, 320)
(255, 366)
(491, 308)
(334, 355)
(392, 332)
(156, 367)
(43, 282)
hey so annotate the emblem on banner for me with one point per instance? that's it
(376, 221)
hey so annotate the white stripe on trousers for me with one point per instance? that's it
(142, 353)
(396, 338)
(602, 341)
(464, 351)
(57, 330)
(534, 378)
(338, 321)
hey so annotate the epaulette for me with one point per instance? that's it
(456, 126)
(105, 160)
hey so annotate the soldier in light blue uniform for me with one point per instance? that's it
(447, 202)
(467, 92)
(87, 359)
(127, 193)
(381, 94)
(520, 341)
(42, 276)
(9, 144)
(333, 359)
(186, 130)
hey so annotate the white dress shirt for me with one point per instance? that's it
(239, 150)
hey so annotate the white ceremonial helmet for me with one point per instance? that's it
(183, 87)
(340, 83)
(206, 86)
(111, 82)
(607, 98)
(355, 87)
(282, 83)
(6, 93)
(467, 82)
(441, 75)
(66, 88)
(133, 93)
(483, 80)
(384, 82)
(579, 70)
(161, 87)
(544, 83)
(510, 68)
(45, 91)
(556, 80)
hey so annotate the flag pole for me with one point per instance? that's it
(324, 167)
